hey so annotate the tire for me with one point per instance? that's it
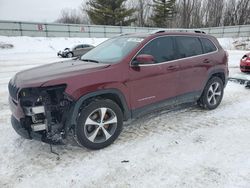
(69, 55)
(212, 94)
(92, 130)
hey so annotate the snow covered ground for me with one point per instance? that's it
(182, 148)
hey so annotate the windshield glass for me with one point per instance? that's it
(113, 50)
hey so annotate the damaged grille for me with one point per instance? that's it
(13, 90)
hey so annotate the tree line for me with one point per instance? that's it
(160, 13)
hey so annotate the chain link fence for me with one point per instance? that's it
(35, 29)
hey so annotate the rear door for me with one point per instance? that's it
(192, 67)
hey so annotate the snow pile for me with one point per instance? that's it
(242, 44)
(43, 44)
(235, 43)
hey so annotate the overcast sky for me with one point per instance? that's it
(35, 10)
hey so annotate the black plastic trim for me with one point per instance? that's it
(19, 129)
(77, 105)
(188, 98)
(216, 71)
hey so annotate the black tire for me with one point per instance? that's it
(211, 99)
(70, 55)
(84, 132)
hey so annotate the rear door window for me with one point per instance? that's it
(208, 46)
(162, 49)
(188, 46)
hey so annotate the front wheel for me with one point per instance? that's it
(99, 124)
(212, 94)
(69, 55)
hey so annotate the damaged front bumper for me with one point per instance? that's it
(41, 113)
(22, 131)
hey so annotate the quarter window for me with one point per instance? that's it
(188, 46)
(208, 46)
(162, 49)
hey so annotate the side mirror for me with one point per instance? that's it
(143, 59)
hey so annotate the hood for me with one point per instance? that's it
(39, 75)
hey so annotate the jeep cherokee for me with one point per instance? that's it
(122, 78)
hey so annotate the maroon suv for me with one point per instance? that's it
(122, 78)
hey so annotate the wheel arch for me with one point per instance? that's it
(112, 94)
(219, 73)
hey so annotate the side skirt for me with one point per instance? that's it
(184, 100)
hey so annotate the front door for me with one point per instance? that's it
(154, 83)
(78, 50)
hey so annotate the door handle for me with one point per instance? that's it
(172, 67)
(206, 61)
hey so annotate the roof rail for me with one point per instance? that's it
(177, 30)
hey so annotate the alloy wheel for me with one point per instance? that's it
(214, 93)
(100, 125)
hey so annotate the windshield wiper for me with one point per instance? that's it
(90, 60)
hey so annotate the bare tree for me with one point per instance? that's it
(213, 12)
(189, 13)
(185, 9)
(73, 16)
(69, 16)
(197, 14)
(143, 10)
(237, 12)
(230, 13)
(243, 12)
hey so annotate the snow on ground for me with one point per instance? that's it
(43, 44)
(183, 148)
(235, 43)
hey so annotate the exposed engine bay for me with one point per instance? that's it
(45, 111)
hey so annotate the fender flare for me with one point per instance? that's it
(216, 71)
(74, 110)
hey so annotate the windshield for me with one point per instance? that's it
(113, 50)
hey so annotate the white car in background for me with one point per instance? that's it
(75, 51)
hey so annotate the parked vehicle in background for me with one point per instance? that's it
(245, 63)
(122, 78)
(75, 51)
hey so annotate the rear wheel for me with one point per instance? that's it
(212, 94)
(99, 124)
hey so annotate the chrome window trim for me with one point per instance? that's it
(153, 64)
